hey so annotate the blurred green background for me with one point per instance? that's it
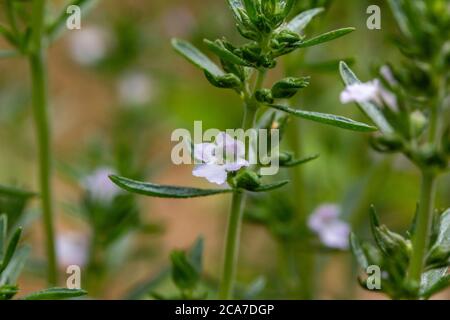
(118, 88)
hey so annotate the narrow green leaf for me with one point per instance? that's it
(155, 190)
(433, 282)
(300, 22)
(326, 37)
(15, 192)
(56, 294)
(374, 220)
(329, 119)
(370, 109)
(288, 5)
(400, 16)
(250, 8)
(3, 239)
(195, 254)
(8, 35)
(270, 187)
(12, 272)
(196, 57)
(11, 249)
(358, 252)
(184, 274)
(225, 54)
(294, 163)
(59, 25)
(8, 292)
(444, 230)
(236, 7)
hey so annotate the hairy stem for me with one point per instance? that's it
(37, 60)
(423, 227)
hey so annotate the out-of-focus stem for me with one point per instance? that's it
(37, 60)
(423, 227)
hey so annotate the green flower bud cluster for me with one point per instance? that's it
(392, 253)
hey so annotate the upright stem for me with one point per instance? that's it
(423, 227)
(233, 234)
(37, 60)
(232, 245)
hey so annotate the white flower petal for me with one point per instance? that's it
(336, 235)
(323, 216)
(212, 172)
(89, 45)
(204, 152)
(100, 187)
(361, 92)
(387, 74)
(228, 148)
(389, 99)
(136, 89)
(72, 249)
(236, 166)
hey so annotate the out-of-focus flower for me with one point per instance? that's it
(136, 89)
(360, 92)
(372, 91)
(72, 249)
(100, 187)
(333, 232)
(387, 74)
(89, 45)
(224, 155)
(178, 22)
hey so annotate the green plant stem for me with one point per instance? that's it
(37, 60)
(232, 245)
(423, 227)
(233, 233)
(234, 225)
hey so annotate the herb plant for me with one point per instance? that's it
(30, 33)
(409, 104)
(271, 33)
(12, 261)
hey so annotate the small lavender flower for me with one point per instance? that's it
(136, 89)
(387, 74)
(372, 91)
(89, 45)
(72, 249)
(100, 187)
(219, 158)
(178, 22)
(332, 231)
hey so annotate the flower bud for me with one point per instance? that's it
(287, 36)
(285, 158)
(393, 245)
(418, 122)
(227, 81)
(248, 34)
(287, 88)
(264, 96)
(247, 180)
